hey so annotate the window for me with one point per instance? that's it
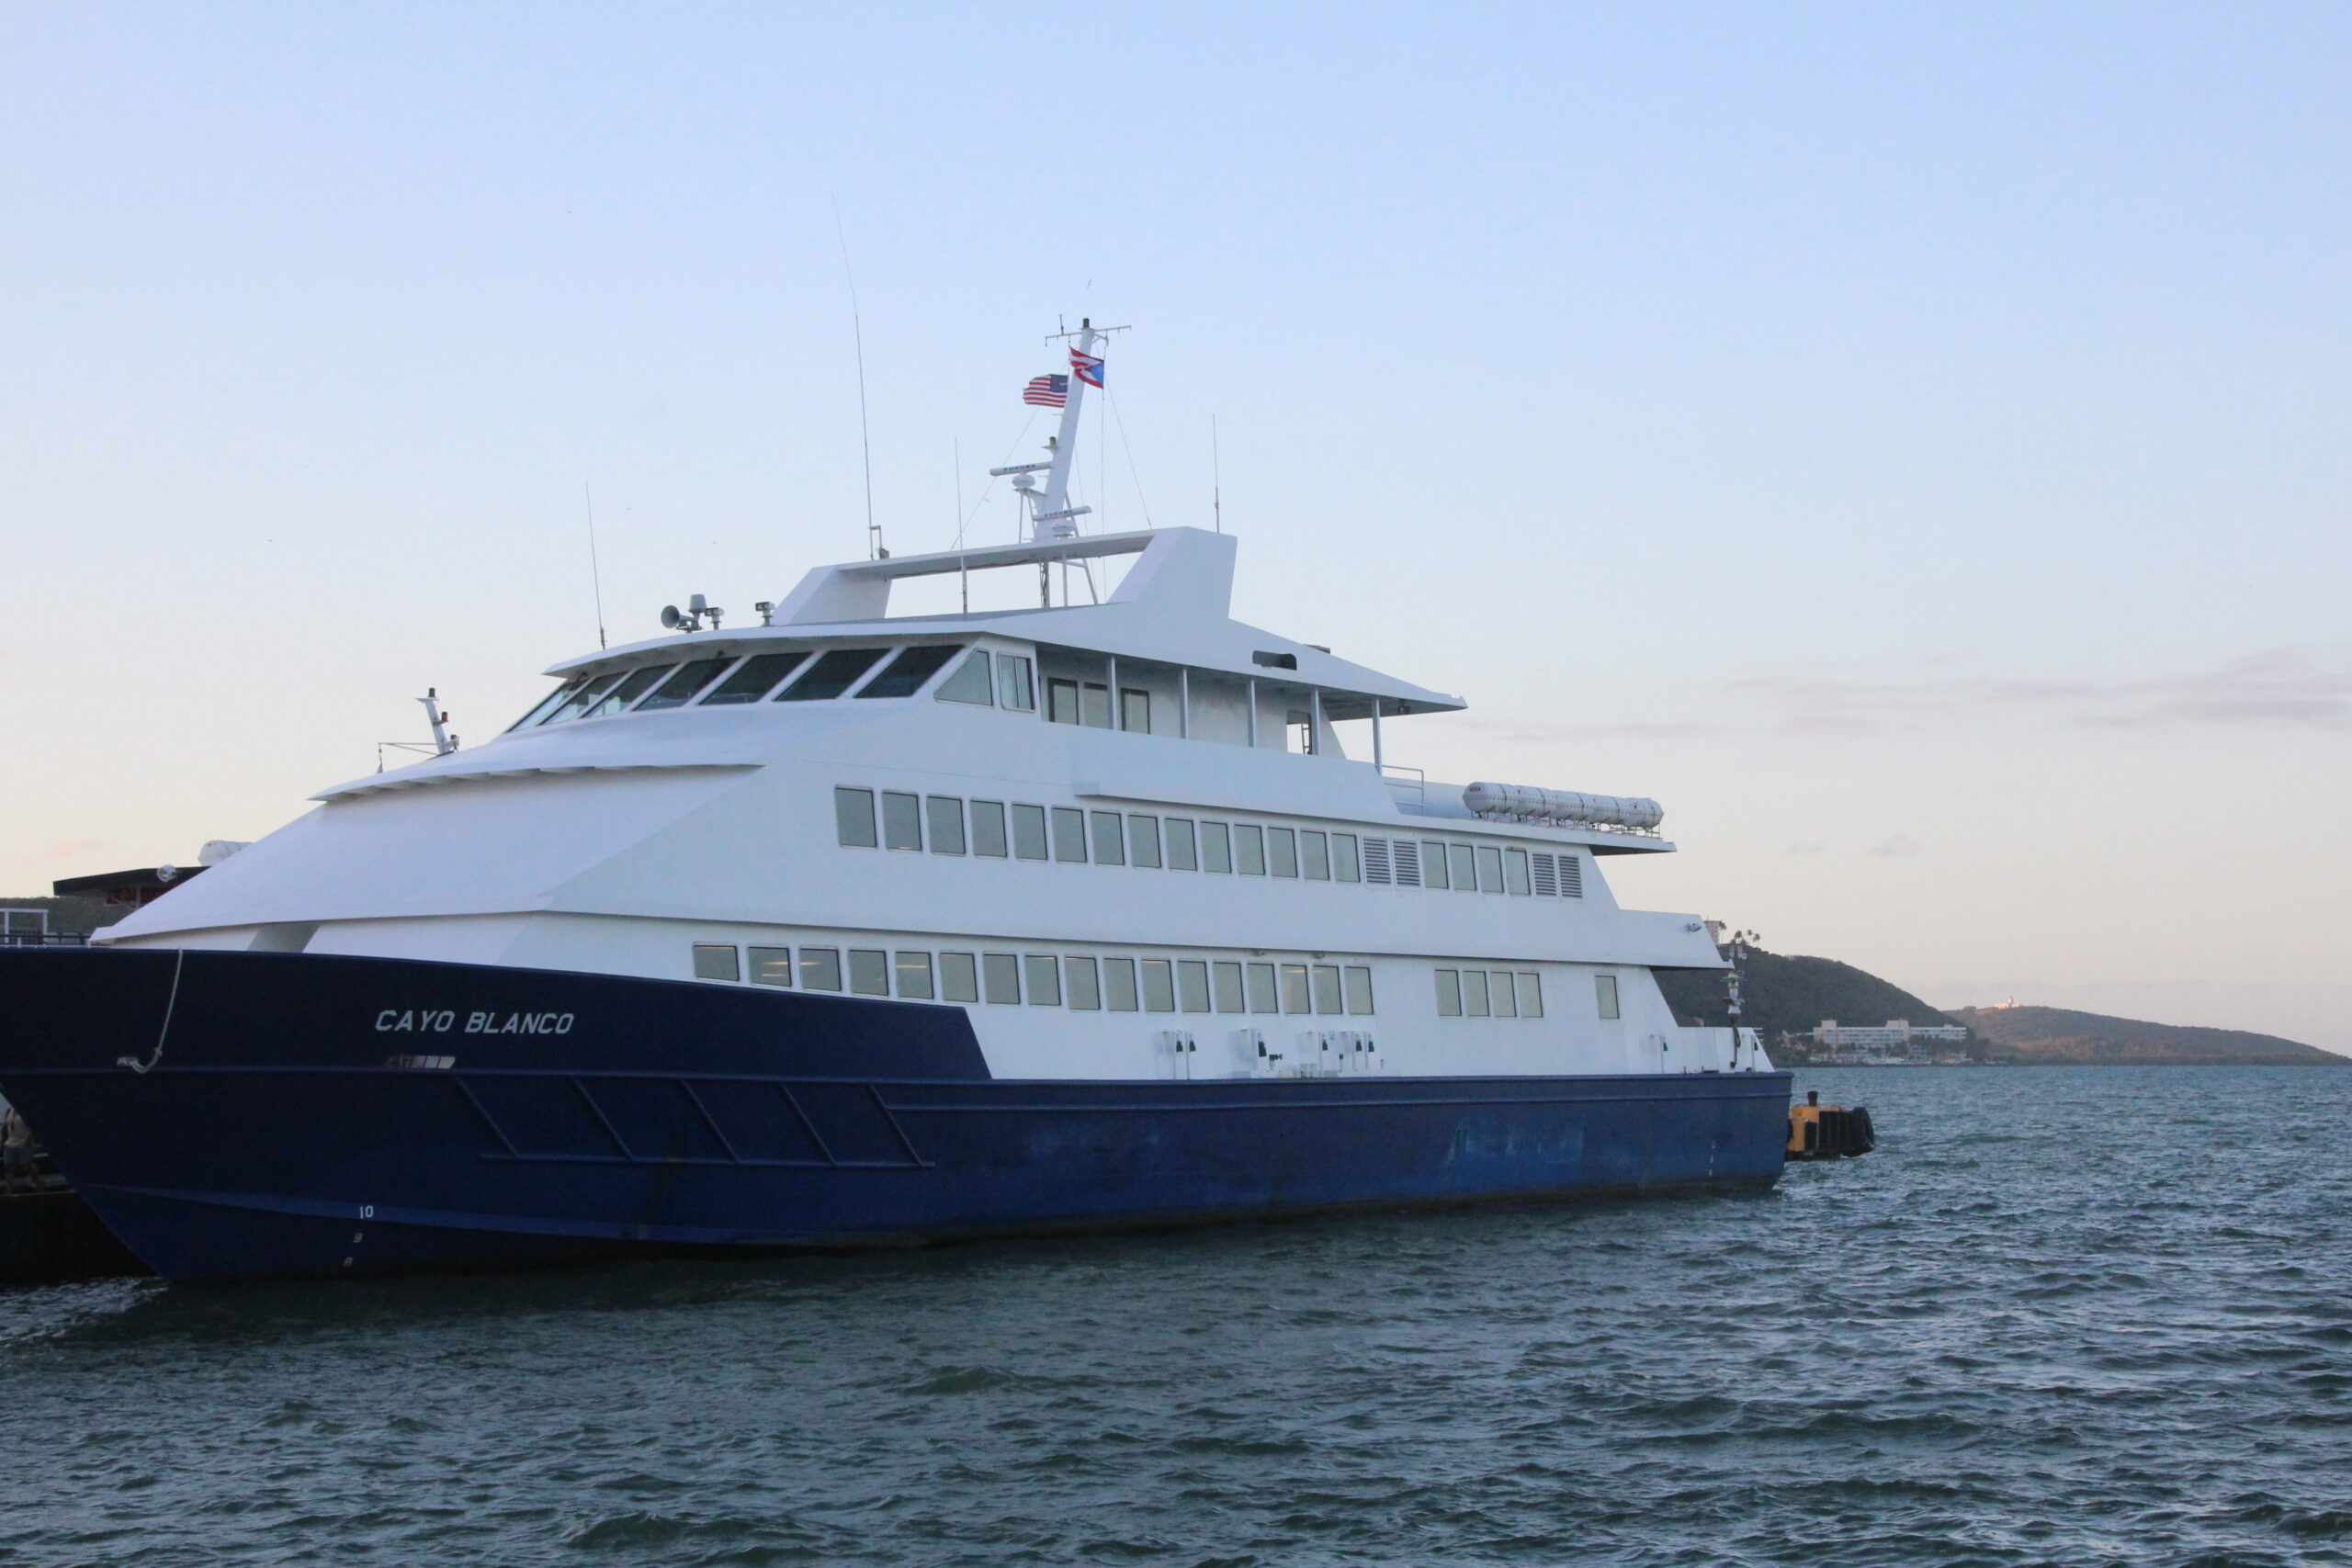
(1531, 994)
(1109, 846)
(1265, 660)
(1515, 872)
(1547, 875)
(1262, 998)
(1604, 988)
(753, 679)
(584, 695)
(1044, 973)
(1135, 710)
(1282, 852)
(769, 965)
(1490, 869)
(1449, 993)
(1016, 687)
(716, 961)
(1465, 867)
(1228, 986)
(1571, 876)
(821, 969)
(1119, 983)
(1434, 865)
(1192, 985)
(1000, 972)
(1327, 987)
(640, 682)
(1158, 986)
(1407, 862)
(969, 683)
(679, 688)
(914, 976)
(1217, 847)
(1359, 986)
(1249, 849)
(1506, 1005)
(1294, 988)
(1094, 705)
(988, 827)
(1061, 701)
(1314, 856)
(1085, 985)
(1142, 841)
(901, 821)
(830, 675)
(1475, 999)
(554, 699)
(904, 675)
(853, 817)
(960, 977)
(1182, 854)
(1375, 860)
(947, 814)
(1029, 832)
(869, 971)
(1344, 859)
(1070, 834)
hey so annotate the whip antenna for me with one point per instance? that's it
(595, 574)
(865, 430)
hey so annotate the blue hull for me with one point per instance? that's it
(250, 1114)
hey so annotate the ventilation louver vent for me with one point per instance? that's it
(1408, 863)
(1375, 860)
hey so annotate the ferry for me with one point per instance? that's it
(841, 929)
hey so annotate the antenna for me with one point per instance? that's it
(865, 429)
(1217, 477)
(595, 573)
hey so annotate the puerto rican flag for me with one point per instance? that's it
(1087, 368)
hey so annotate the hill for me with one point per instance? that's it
(1791, 994)
(2058, 1036)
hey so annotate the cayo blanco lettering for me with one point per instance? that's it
(415, 1021)
(518, 1023)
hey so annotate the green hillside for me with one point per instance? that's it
(2056, 1035)
(1794, 994)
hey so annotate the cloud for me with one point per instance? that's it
(2294, 688)
(71, 849)
(1900, 847)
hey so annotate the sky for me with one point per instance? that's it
(1909, 441)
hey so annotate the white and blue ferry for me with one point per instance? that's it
(848, 929)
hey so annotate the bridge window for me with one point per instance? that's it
(635, 685)
(1001, 974)
(770, 965)
(905, 675)
(1344, 867)
(1061, 700)
(970, 683)
(914, 976)
(1044, 973)
(1515, 872)
(1490, 869)
(715, 961)
(1016, 684)
(1135, 710)
(754, 680)
(1315, 855)
(869, 971)
(679, 688)
(830, 675)
(1094, 705)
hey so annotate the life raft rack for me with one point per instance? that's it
(1828, 1131)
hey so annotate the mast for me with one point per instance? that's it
(1055, 518)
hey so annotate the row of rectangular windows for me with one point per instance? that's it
(1493, 993)
(1018, 830)
(814, 677)
(1046, 979)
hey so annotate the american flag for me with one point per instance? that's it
(1047, 391)
(1089, 368)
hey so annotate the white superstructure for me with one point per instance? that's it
(1123, 835)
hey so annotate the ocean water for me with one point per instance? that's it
(2066, 1316)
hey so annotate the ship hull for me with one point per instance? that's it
(236, 1115)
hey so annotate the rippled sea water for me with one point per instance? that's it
(2066, 1316)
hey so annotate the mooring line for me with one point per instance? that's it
(179, 961)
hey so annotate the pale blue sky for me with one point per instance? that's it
(1907, 440)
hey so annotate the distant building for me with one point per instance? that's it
(1894, 1033)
